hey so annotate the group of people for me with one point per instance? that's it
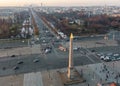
(110, 73)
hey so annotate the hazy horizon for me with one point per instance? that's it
(60, 2)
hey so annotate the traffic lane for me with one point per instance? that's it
(63, 62)
(61, 55)
(14, 43)
(9, 62)
(77, 53)
(114, 35)
(27, 66)
(30, 66)
(44, 64)
(41, 23)
(118, 41)
(88, 39)
(106, 49)
(64, 54)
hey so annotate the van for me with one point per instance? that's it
(62, 48)
(76, 48)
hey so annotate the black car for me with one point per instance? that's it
(12, 56)
(15, 68)
(92, 50)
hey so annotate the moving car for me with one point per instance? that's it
(76, 48)
(47, 50)
(62, 48)
(15, 68)
(20, 62)
(12, 56)
(35, 60)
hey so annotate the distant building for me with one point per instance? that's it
(79, 22)
(26, 30)
(115, 15)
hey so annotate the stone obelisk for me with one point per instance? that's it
(72, 75)
(70, 65)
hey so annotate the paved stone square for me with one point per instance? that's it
(93, 73)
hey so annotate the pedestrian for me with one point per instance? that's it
(105, 79)
(106, 69)
(112, 73)
(103, 70)
(108, 72)
(95, 68)
(119, 74)
(87, 66)
(81, 72)
(106, 76)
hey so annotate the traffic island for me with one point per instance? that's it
(76, 77)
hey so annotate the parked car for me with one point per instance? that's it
(102, 57)
(115, 54)
(107, 58)
(109, 54)
(117, 57)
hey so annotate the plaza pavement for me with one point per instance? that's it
(93, 74)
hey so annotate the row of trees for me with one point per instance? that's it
(95, 24)
(102, 23)
(36, 30)
(8, 29)
(4, 25)
(11, 27)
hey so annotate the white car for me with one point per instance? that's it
(102, 57)
(37, 39)
(107, 58)
(75, 48)
(35, 60)
(116, 55)
(110, 54)
(43, 41)
(47, 50)
(46, 31)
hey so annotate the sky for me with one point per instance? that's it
(60, 2)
